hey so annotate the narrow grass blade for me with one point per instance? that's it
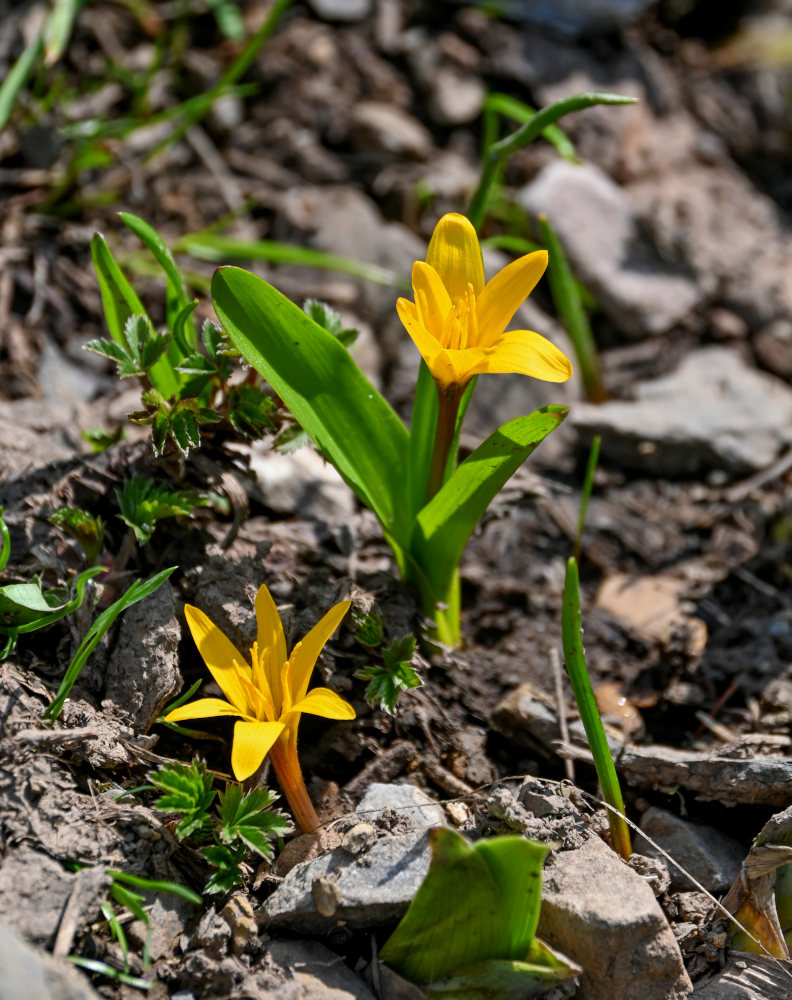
(225, 249)
(506, 106)
(58, 29)
(103, 969)
(589, 713)
(116, 930)
(569, 305)
(157, 885)
(5, 539)
(137, 591)
(17, 77)
(316, 377)
(585, 494)
(500, 152)
(177, 297)
(120, 302)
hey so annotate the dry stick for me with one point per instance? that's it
(558, 677)
(743, 489)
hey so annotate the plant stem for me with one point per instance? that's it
(287, 770)
(444, 439)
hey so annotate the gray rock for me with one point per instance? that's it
(372, 888)
(713, 412)
(748, 977)
(455, 96)
(34, 892)
(388, 129)
(604, 916)
(304, 970)
(38, 432)
(143, 672)
(409, 801)
(365, 889)
(579, 18)
(341, 10)
(640, 293)
(27, 974)
(301, 481)
(712, 858)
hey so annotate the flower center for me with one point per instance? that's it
(460, 328)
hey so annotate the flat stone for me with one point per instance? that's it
(409, 801)
(341, 10)
(712, 858)
(748, 977)
(28, 974)
(304, 970)
(639, 292)
(603, 915)
(370, 887)
(301, 481)
(388, 129)
(455, 96)
(713, 413)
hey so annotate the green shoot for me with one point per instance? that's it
(396, 674)
(589, 713)
(103, 969)
(500, 152)
(100, 440)
(569, 305)
(585, 494)
(328, 319)
(369, 629)
(5, 542)
(250, 819)
(144, 502)
(84, 528)
(137, 591)
(141, 349)
(185, 789)
(474, 919)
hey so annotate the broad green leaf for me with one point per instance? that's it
(516, 868)
(24, 608)
(176, 292)
(315, 376)
(17, 77)
(444, 525)
(456, 916)
(120, 302)
(506, 979)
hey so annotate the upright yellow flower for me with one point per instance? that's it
(268, 694)
(457, 321)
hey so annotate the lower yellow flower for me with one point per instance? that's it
(457, 321)
(269, 694)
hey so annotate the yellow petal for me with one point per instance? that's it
(219, 654)
(252, 742)
(505, 293)
(271, 645)
(433, 354)
(324, 702)
(305, 654)
(527, 353)
(455, 254)
(203, 708)
(431, 297)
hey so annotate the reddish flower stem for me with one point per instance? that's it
(287, 770)
(449, 400)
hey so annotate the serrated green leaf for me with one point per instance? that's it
(251, 819)
(83, 527)
(250, 410)
(143, 502)
(311, 372)
(290, 439)
(368, 629)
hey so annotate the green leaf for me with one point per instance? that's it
(315, 376)
(137, 591)
(575, 657)
(250, 410)
(17, 77)
(251, 819)
(369, 629)
(177, 298)
(227, 863)
(5, 542)
(100, 439)
(157, 885)
(83, 527)
(58, 28)
(506, 979)
(103, 969)
(25, 608)
(290, 439)
(143, 502)
(475, 904)
(444, 525)
(328, 319)
(120, 302)
(186, 789)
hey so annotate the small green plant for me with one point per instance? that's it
(83, 527)
(396, 673)
(470, 930)
(575, 658)
(241, 822)
(144, 502)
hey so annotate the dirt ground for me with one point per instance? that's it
(358, 134)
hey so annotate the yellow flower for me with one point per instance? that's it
(457, 321)
(270, 692)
